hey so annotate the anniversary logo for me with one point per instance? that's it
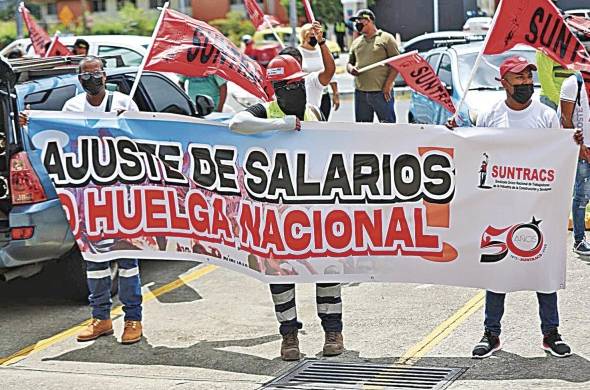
(335, 202)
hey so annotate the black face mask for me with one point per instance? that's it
(93, 86)
(292, 102)
(523, 93)
(313, 41)
(359, 27)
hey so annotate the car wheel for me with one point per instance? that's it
(73, 270)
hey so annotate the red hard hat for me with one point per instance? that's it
(283, 68)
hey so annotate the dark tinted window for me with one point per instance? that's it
(51, 100)
(444, 70)
(421, 46)
(165, 96)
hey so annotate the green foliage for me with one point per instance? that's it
(7, 33)
(233, 26)
(130, 20)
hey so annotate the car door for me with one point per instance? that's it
(423, 109)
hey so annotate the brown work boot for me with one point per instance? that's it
(333, 344)
(95, 329)
(290, 347)
(132, 332)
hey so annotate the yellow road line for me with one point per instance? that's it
(117, 311)
(414, 354)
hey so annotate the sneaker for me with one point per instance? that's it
(553, 344)
(487, 346)
(582, 248)
(132, 332)
(290, 347)
(333, 344)
(95, 329)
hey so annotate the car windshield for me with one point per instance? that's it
(489, 69)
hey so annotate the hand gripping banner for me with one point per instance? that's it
(335, 202)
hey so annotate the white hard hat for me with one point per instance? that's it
(246, 38)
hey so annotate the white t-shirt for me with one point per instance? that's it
(313, 89)
(312, 60)
(581, 116)
(536, 115)
(79, 103)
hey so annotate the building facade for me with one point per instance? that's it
(56, 11)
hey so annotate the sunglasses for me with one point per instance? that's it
(291, 86)
(88, 75)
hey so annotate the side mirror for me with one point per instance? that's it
(204, 105)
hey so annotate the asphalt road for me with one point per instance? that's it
(216, 330)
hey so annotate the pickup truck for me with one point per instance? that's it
(34, 232)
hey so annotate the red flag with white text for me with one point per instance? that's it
(580, 24)
(39, 37)
(57, 48)
(255, 13)
(420, 76)
(536, 23)
(193, 48)
(308, 11)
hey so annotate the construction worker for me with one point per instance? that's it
(286, 113)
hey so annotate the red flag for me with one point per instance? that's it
(580, 24)
(308, 11)
(57, 48)
(420, 76)
(539, 24)
(39, 37)
(255, 13)
(270, 19)
(195, 49)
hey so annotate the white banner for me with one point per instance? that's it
(336, 202)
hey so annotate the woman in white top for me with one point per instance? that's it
(313, 62)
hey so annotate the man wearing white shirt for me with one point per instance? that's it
(96, 98)
(519, 110)
(575, 113)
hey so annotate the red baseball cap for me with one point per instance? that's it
(284, 68)
(515, 65)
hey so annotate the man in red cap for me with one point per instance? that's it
(519, 110)
(286, 113)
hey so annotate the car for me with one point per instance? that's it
(453, 66)
(34, 231)
(131, 48)
(478, 25)
(429, 41)
(583, 12)
(266, 36)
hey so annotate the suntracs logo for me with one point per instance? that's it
(494, 175)
(523, 241)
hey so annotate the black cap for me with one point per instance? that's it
(81, 43)
(363, 14)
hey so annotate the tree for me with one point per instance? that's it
(330, 11)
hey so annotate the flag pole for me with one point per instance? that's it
(385, 61)
(477, 61)
(269, 24)
(145, 58)
(55, 36)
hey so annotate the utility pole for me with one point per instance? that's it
(435, 8)
(19, 22)
(293, 21)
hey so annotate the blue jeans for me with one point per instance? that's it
(366, 104)
(581, 196)
(99, 283)
(495, 310)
